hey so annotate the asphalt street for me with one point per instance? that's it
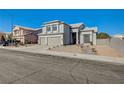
(30, 68)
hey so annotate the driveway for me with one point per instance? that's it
(30, 68)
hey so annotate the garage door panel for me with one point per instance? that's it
(42, 41)
(54, 41)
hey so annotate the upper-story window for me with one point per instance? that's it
(16, 32)
(48, 28)
(54, 27)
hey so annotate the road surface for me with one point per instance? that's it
(29, 68)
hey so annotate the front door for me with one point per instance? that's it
(74, 38)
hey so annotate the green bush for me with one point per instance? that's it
(102, 35)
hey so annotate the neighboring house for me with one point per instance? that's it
(56, 33)
(25, 34)
(2, 36)
(38, 30)
(7, 34)
(120, 36)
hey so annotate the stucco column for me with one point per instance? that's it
(51, 28)
(58, 28)
(91, 37)
(77, 38)
(81, 38)
(94, 38)
(46, 40)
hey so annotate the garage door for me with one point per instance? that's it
(42, 41)
(54, 41)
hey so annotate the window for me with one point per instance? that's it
(86, 38)
(48, 28)
(54, 27)
(16, 32)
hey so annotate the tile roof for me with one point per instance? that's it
(27, 28)
(52, 21)
(95, 29)
(76, 25)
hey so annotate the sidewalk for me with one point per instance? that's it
(38, 50)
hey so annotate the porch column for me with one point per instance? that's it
(77, 38)
(51, 28)
(94, 38)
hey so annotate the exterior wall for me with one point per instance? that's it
(19, 34)
(39, 39)
(117, 44)
(24, 35)
(44, 30)
(60, 28)
(94, 38)
(31, 38)
(105, 42)
(82, 38)
(67, 35)
(91, 32)
(22, 39)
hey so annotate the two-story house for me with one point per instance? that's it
(25, 34)
(56, 33)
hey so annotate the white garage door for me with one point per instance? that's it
(54, 41)
(42, 41)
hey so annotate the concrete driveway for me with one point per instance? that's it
(31, 68)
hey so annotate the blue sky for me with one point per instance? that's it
(110, 21)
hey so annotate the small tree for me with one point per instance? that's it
(102, 35)
(10, 36)
(2, 38)
(26, 42)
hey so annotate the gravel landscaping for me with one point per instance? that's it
(94, 50)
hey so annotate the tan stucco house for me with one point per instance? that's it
(54, 33)
(57, 33)
(25, 34)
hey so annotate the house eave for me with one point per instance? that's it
(49, 34)
(89, 29)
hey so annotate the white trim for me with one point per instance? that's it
(92, 37)
(94, 29)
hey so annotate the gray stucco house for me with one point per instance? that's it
(56, 33)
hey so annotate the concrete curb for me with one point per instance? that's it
(75, 55)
